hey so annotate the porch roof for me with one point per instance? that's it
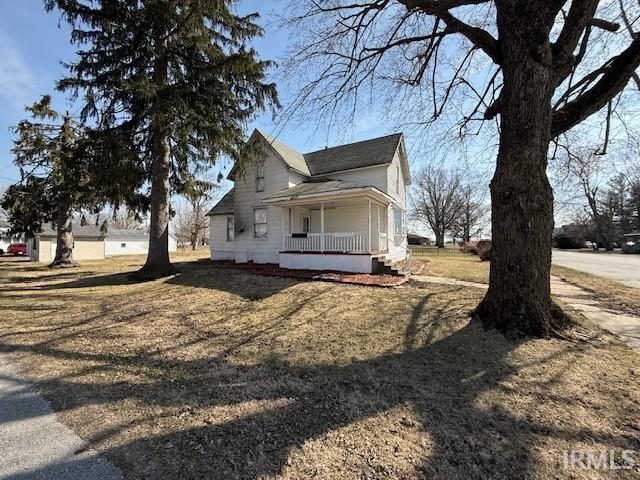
(319, 189)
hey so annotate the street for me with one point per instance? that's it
(619, 267)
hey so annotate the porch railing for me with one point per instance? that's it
(333, 242)
(383, 242)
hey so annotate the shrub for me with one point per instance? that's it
(470, 247)
(484, 250)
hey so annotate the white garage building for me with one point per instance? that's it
(90, 244)
(130, 242)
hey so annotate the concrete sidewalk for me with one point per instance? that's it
(626, 327)
(34, 445)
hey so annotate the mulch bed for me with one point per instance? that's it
(273, 270)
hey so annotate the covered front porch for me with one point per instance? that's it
(333, 225)
(347, 221)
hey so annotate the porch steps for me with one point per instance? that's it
(385, 266)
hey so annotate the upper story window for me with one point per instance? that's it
(260, 177)
(260, 223)
(398, 177)
(230, 229)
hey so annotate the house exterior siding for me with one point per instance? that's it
(83, 249)
(221, 249)
(346, 212)
(247, 199)
(397, 243)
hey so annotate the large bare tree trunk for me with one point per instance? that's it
(518, 301)
(158, 263)
(64, 237)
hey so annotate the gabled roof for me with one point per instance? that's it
(224, 206)
(367, 153)
(291, 157)
(128, 233)
(79, 231)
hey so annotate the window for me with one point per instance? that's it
(260, 223)
(305, 224)
(398, 227)
(123, 245)
(398, 176)
(260, 177)
(230, 229)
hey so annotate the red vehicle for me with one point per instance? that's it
(17, 249)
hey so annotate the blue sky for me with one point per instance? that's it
(33, 44)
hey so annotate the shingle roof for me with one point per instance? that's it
(377, 151)
(316, 187)
(224, 206)
(78, 230)
(367, 153)
(294, 159)
(128, 233)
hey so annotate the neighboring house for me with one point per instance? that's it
(131, 242)
(415, 239)
(90, 244)
(340, 208)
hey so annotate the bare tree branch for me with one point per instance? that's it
(615, 76)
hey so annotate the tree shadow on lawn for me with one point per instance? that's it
(193, 274)
(442, 383)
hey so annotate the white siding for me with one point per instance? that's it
(131, 246)
(397, 243)
(220, 248)
(276, 177)
(372, 176)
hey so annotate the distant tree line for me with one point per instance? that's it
(610, 210)
(448, 201)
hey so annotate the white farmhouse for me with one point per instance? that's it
(340, 208)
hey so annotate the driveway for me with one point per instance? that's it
(34, 445)
(615, 266)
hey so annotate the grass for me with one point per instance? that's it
(612, 294)
(464, 266)
(451, 263)
(223, 374)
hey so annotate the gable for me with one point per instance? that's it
(367, 153)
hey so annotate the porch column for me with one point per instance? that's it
(378, 225)
(322, 226)
(282, 209)
(369, 224)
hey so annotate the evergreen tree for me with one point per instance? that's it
(175, 77)
(633, 204)
(64, 167)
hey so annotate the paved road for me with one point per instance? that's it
(34, 445)
(615, 266)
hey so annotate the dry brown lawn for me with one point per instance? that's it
(222, 374)
(451, 263)
(464, 266)
(614, 295)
